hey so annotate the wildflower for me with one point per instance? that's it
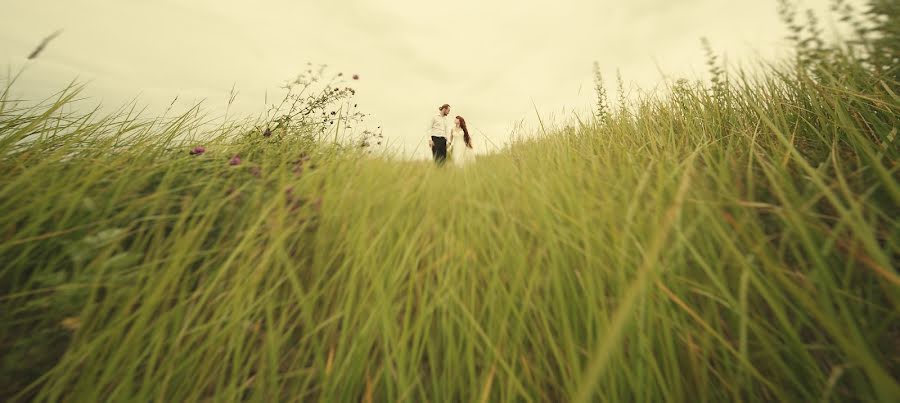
(236, 160)
(267, 133)
(333, 113)
(198, 150)
(356, 76)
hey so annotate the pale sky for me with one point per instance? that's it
(492, 60)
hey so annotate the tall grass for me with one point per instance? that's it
(729, 243)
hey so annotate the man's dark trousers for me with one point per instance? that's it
(439, 150)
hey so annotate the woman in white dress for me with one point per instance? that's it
(461, 144)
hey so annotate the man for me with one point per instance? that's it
(438, 132)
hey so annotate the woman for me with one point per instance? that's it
(462, 151)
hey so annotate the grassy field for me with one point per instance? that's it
(727, 242)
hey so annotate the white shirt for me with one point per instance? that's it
(439, 126)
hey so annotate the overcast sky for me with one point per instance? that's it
(492, 60)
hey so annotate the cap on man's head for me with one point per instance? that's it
(444, 106)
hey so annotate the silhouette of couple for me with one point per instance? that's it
(456, 140)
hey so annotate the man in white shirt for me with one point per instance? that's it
(438, 132)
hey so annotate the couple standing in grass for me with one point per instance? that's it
(457, 139)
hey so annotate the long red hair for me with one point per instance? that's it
(466, 137)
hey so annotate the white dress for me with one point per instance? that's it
(461, 154)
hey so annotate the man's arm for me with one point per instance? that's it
(428, 132)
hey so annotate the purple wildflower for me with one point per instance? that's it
(236, 160)
(198, 150)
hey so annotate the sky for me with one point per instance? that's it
(499, 63)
